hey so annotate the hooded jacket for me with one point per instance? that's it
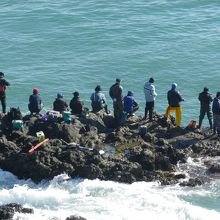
(60, 105)
(174, 98)
(129, 104)
(76, 105)
(149, 91)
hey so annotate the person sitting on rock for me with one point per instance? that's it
(76, 104)
(35, 102)
(60, 104)
(205, 99)
(216, 113)
(98, 100)
(130, 105)
(174, 100)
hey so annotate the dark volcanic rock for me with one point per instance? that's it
(163, 163)
(8, 211)
(144, 157)
(67, 132)
(151, 156)
(214, 168)
(192, 182)
(73, 217)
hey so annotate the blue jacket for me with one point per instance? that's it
(129, 103)
(34, 103)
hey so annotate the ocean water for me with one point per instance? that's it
(63, 46)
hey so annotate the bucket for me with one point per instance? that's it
(143, 130)
(192, 124)
(40, 136)
(17, 124)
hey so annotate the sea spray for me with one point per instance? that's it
(105, 200)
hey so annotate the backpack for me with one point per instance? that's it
(2, 88)
(112, 91)
(15, 114)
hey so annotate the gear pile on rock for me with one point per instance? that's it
(139, 150)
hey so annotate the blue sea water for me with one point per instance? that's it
(63, 46)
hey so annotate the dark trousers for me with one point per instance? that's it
(118, 112)
(203, 112)
(135, 108)
(216, 125)
(3, 101)
(149, 108)
(96, 107)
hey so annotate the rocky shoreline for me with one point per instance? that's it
(8, 211)
(139, 150)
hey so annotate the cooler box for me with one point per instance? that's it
(53, 116)
(67, 116)
(17, 124)
(143, 130)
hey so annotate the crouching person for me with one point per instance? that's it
(60, 104)
(130, 105)
(76, 104)
(35, 102)
(98, 100)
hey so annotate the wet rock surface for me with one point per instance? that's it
(80, 148)
(7, 211)
(73, 217)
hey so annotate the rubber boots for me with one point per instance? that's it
(200, 124)
(210, 123)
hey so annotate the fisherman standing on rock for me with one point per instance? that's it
(150, 96)
(116, 93)
(3, 84)
(205, 99)
(174, 100)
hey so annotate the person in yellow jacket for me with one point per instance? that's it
(174, 100)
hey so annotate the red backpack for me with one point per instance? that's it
(2, 88)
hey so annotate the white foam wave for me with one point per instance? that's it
(105, 200)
